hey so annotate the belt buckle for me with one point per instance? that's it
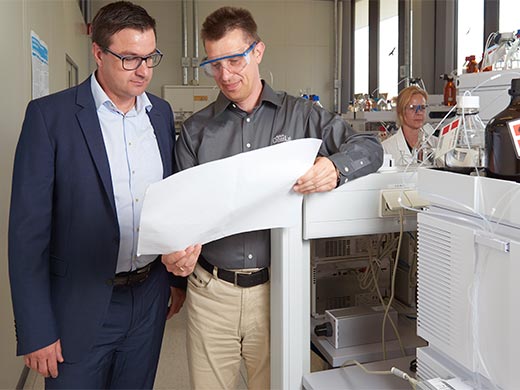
(240, 273)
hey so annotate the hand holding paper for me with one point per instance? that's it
(183, 262)
(246, 192)
(322, 177)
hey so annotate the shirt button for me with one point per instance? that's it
(133, 172)
(248, 120)
(250, 256)
(234, 105)
(346, 169)
(248, 145)
(129, 144)
(137, 199)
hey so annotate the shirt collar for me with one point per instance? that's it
(268, 95)
(102, 99)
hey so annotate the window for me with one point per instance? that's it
(361, 47)
(508, 17)
(470, 35)
(388, 47)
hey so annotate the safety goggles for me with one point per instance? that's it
(233, 63)
(417, 107)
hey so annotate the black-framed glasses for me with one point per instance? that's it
(417, 107)
(134, 62)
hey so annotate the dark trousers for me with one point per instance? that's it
(126, 352)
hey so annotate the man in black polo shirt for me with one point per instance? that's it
(228, 290)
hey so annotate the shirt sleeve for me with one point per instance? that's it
(354, 154)
(185, 156)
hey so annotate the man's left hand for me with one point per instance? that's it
(322, 177)
(178, 295)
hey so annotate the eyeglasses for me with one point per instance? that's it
(134, 62)
(417, 107)
(233, 63)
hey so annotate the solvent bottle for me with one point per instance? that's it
(503, 139)
(469, 153)
(471, 65)
(450, 91)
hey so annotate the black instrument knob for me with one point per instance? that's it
(324, 329)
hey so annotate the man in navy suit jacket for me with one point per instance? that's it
(90, 313)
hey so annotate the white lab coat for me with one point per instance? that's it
(396, 146)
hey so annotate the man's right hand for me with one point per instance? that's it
(182, 263)
(45, 360)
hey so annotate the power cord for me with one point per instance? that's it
(393, 371)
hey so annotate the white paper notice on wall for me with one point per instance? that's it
(246, 192)
(40, 66)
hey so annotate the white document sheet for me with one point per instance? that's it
(246, 192)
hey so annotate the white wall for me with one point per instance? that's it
(59, 24)
(298, 35)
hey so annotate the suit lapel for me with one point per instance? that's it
(89, 123)
(162, 135)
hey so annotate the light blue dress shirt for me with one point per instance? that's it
(135, 162)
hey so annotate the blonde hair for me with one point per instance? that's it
(403, 100)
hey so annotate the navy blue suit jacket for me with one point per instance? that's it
(63, 228)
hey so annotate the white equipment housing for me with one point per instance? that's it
(468, 275)
(492, 88)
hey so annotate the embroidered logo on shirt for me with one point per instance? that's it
(280, 138)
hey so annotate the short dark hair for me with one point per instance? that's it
(227, 19)
(117, 16)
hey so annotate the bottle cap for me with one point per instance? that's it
(515, 87)
(466, 101)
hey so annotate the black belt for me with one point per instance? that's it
(242, 279)
(133, 277)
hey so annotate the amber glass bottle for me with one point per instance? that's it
(471, 64)
(503, 139)
(450, 92)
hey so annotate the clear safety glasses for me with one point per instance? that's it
(417, 107)
(233, 63)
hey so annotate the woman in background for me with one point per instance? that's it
(405, 145)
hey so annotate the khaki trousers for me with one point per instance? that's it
(226, 323)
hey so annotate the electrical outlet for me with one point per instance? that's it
(392, 201)
(415, 200)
